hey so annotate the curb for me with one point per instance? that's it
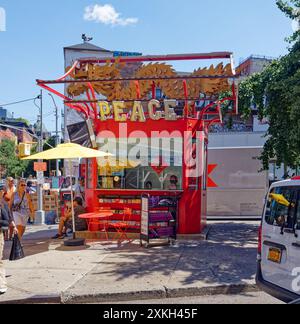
(69, 298)
(164, 293)
(34, 300)
(159, 294)
(211, 291)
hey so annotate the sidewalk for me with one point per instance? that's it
(100, 272)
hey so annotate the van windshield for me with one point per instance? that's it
(283, 207)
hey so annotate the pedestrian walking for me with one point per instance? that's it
(80, 190)
(5, 221)
(9, 190)
(30, 189)
(21, 207)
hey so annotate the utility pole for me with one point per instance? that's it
(56, 132)
(40, 214)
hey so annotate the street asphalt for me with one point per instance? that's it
(100, 272)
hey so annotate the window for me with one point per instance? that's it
(281, 207)
(205, 167)
(298, 212)
(149, 168)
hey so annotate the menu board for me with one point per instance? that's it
(145, 217)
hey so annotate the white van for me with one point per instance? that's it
(279, 242)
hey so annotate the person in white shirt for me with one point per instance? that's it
(80, 191)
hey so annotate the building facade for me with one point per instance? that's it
(243, 140)
(80, 51)
(253, 64)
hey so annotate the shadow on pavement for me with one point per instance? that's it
(33, 243)
(228, 257)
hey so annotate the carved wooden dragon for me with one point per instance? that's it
(127, 90)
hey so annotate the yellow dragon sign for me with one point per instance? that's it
(126, 90)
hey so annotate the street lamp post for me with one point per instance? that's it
(40, 214)
(56, 132)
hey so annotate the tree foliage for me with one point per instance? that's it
(291, 9)
(12, 165)
(23, 120)
(276, 94)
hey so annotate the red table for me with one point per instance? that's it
(98, 218)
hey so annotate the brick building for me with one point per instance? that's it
(8, 135)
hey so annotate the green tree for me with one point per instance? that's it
(291, 9)
(23, 120)
(12, 165)
(276, 93)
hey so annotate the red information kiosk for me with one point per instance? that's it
(155, 122)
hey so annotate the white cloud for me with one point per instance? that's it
(2, 20)
(107, 14)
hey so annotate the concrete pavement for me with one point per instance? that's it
(100, 272)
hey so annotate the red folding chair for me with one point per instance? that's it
(100, 225)
(122, 227)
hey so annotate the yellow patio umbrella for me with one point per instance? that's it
(69, 151)
(280, 199)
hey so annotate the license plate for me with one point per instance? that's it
(275, 255)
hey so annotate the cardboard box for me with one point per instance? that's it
(50, 207)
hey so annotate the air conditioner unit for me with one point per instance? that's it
(24, 150)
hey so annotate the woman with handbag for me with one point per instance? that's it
(21, 207)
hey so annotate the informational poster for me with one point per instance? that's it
(145, 218)
(40, 166)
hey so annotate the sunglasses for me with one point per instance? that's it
(23, 185)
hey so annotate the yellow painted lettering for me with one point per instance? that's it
(169, 110)
(119, 107)
(152, 106)
(104, 110)
(138, 112)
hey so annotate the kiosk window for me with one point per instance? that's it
(298, 212)
(153, 168)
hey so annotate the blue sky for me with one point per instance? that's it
(37, 31)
